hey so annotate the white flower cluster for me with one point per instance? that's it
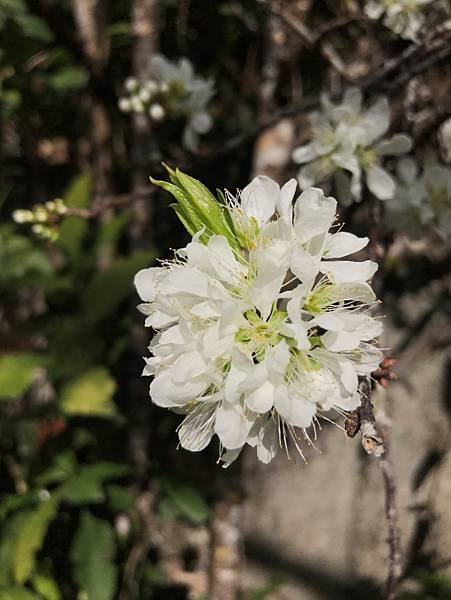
(261, 329)
(422, 199)
(404, 17)
(172, 91)
(348, 140)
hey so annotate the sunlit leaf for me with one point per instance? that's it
(31, 537)
(46, 587)
(90, 394)
(17, 372)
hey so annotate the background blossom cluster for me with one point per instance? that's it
(172, 91)
(348, 143)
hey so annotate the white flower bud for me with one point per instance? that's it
(60, 207)
(131, 84)
(151, 86)
(157, 112)
(22, 216)
(164, 87)
(144, 95)
(38, 229)
(124, 104)
(40, 214)
(137, 104)
(50, 206)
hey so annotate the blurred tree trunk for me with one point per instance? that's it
(90, 17)
(145, 32)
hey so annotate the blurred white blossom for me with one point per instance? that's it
(404, 17)
(348, 141)
(172, 92)
(422, 199)
(264, 329)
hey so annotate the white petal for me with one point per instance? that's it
(232, 426)
(145, 282)
(164, 392)
(230, 456)
(284, 204)
(396, 145)
(258, 199)
(314, 213)
(304, 154)
(268, 443)
(202, 122)
(348, 271)
(361, 292)
(223, 260)
(380, 182)
(196, 431)
(338, 341)
(330, 321)
(304, 266)
(261, 399)
(407, 169)
(294, 410)
(343, 243)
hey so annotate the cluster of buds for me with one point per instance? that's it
(145, 97)
(43, 218)
(171, 91)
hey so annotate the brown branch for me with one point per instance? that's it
(411, 62)
(375, 440)
(103, 204)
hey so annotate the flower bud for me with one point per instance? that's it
(157, 112)
(131, 84)
(124, 104)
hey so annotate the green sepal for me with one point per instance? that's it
(197, 208)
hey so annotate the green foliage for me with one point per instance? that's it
(183, 500)
(109, 288)
(90, 394)
(30, 539)
(17, 593)
(17, 372)
(87, 484)
(431, 585)
(46, 587)
(92, 554)
(73, 229)
(21, 260)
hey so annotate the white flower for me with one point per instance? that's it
(253, 345)
(172, 91)
(422, 199)
(404, 17)
(349, 140)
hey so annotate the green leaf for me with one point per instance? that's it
(17, 372)
(90, 394)
(46, 587)
(188, 501)
(17, 593)
(93, 552)
(73, 229)
(31, 537)
(119, 499)
(68, 79)
(110, 231)
(34, 27)
(109, 288)
(87, 486)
